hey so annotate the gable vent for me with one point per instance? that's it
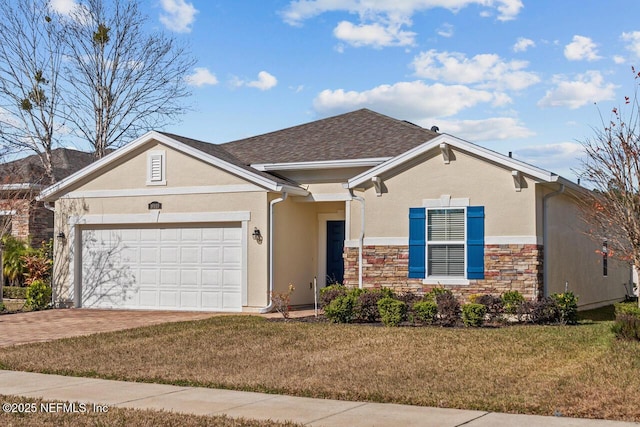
(156, 168)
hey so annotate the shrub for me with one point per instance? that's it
(511, 300)
(433, 293)
(567, 307)
(473, 314)
(38, 295)
(329, 293)
(544, 311)
(341, 309)
(448, 308)
(2, 307)
(366, 308)
(627, 323)
(38, 263)
(425, 311)
(392, 311)
(493, 305)
(14, 292)
(12, 259)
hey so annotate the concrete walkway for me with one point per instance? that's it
(311, 412)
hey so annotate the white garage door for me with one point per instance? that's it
(162, 268)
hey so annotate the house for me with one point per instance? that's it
(21, 180)
(168, 222)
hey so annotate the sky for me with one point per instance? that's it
(534, 77)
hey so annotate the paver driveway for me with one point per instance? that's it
(22, 328)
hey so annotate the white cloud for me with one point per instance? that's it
(445, 30)
(382, 22)
(581, 48)
(618, 59)
(486, 70)
(178, 16)
(375, 35)
(63, 7)
(584, 89)
(391, 10)
(201, 77)
(491, 129)
(522, 44)
(411, 100)
(559, 157)
(265, 81)
(633, 39)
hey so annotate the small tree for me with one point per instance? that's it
(612, 168)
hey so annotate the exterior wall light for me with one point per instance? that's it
(257, 236)
(62, 237)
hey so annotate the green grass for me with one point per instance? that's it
(579, 371)
(116, 417)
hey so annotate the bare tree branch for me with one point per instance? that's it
(30, 64)
(612, 168)
(125, 80)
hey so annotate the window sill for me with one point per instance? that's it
(444, 281)
(156, 182)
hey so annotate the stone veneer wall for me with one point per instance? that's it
(507, 267)
(31, 220)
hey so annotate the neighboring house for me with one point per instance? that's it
(20, 183)
(167, 222)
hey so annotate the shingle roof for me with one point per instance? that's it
(29, 170)
(356, 135)
(222, 154)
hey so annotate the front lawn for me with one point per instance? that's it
(577, 371)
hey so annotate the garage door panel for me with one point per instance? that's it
(230, 299)
(149, 255)
(231, 254)
(189, 300)
(169, 299)
(169, 235)
(189, 278)
(148, 298)
(212, 234)
(190, 255)
(232, 233)
(169, 255)
(180, 268)
(231, 278)
(211, 255)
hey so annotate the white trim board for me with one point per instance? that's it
(324, 197)
(175, 191)
(159, 217)
(327, 164)
(404, 241)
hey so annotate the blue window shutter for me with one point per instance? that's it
(417, 242)
(475, 242)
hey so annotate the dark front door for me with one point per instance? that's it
(335, 248)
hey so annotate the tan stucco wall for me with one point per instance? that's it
(297, 234)
(507, 212)
(572, 257)
(181, 171)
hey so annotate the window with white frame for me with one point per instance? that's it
(446, 237)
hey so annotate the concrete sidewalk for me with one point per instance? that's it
(312, 412)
